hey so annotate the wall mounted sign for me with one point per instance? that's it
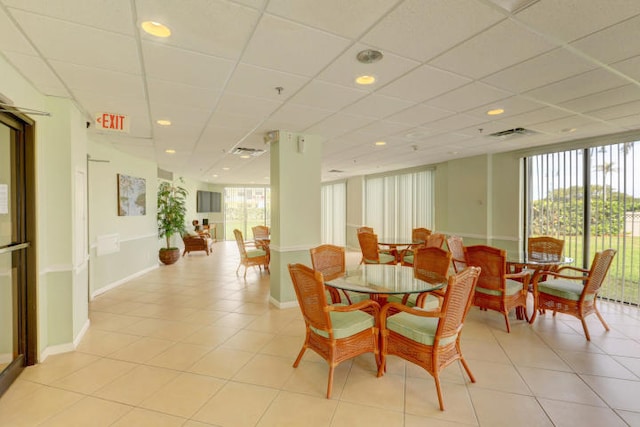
(112, 122)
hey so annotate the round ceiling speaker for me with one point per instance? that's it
(369, 56)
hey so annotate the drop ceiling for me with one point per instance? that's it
(563, 69)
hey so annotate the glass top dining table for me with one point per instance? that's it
(380, 280)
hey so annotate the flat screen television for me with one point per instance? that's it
(208, 201)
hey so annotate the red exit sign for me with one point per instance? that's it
(112, 122)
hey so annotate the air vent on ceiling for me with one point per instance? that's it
(255, 152)
(509, 133)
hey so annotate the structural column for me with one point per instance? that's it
(295, 207)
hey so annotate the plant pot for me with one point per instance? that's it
(169, 256)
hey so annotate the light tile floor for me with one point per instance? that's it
(195, 345)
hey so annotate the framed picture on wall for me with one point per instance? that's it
(132, 195)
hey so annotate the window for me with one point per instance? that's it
(245, 208)
(396, 204)
(334, 213)
(591, 198)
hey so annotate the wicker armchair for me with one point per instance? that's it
(251, 257)
(336, 332)
(330, 261)
(496, 290)
(196, 243)
(541, 248)
(260, 234)
(434, 240)
(431, 265)
(456, 247)
(430, 339)
(371, 254)
(575, 295)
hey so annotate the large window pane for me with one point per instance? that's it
(334, 213)
(244, 208)
(591, 198)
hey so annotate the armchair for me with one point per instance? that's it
(196, 243)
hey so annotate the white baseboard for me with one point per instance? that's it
(67, 347)
(122, 281)
(282, 305)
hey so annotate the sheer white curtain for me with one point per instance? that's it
(396, 204)
(334, 213)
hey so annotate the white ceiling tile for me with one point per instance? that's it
(468, 97)
(180, 66)
(338, 124)
(377, 106)
(285, 46)
(419, 114)
(617, 111)
(383, 128)
(423, 83)
(246, 105)
(562, 125)
(512, 106)
(323, 95)
(421, 30)
(498, 47)
(214, 27)
(111, 15)
(233, 121)
(606, 98)
(11, 39)
(39, 73)
(178, 136)
(568, 20)
(98, 81)
(346, 68)
(577, 86)
(631, 122)
(262, 82)
(180, 115)
(612, 44)
(542, 70)
(80, 44)
(458, 121)
(215, 135)
(295, 117)
(165, 92)
(532, 117)
(345, 18)
(630, 68)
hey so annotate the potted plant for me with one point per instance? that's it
(172, 209)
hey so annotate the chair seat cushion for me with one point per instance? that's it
(384, 259)
(416, 328)
(347, 323)
(254, 253)
(431, 302)
(513, 287)
(567, 289)
(408, 259)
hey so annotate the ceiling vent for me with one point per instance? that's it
(255, 152)
(510, 133)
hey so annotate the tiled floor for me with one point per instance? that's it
(194, 345)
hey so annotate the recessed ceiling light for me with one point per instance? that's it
(495, 112)
(164, 122)
(225, 169)
(365, 80)
(170, 151)
(214, 175)
(156, 29)
(245, 156)
(380, 143)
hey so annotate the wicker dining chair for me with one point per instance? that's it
(336, 332)
(430, 339)
(419, 235)
(260, 232)
(433, 240)
(575, 295)
(431, 265)
(541, 248)
(371, 253)
(456, 247)
(330, 261)
(251, 257)
(497, 290)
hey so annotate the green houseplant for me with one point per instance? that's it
(172, 200)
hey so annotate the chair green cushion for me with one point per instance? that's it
(347, 323)
(430, 303)
(408, 259)
(566, 289)
(513, 288)
(384, 259)
(416, 328)
(254, 253)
